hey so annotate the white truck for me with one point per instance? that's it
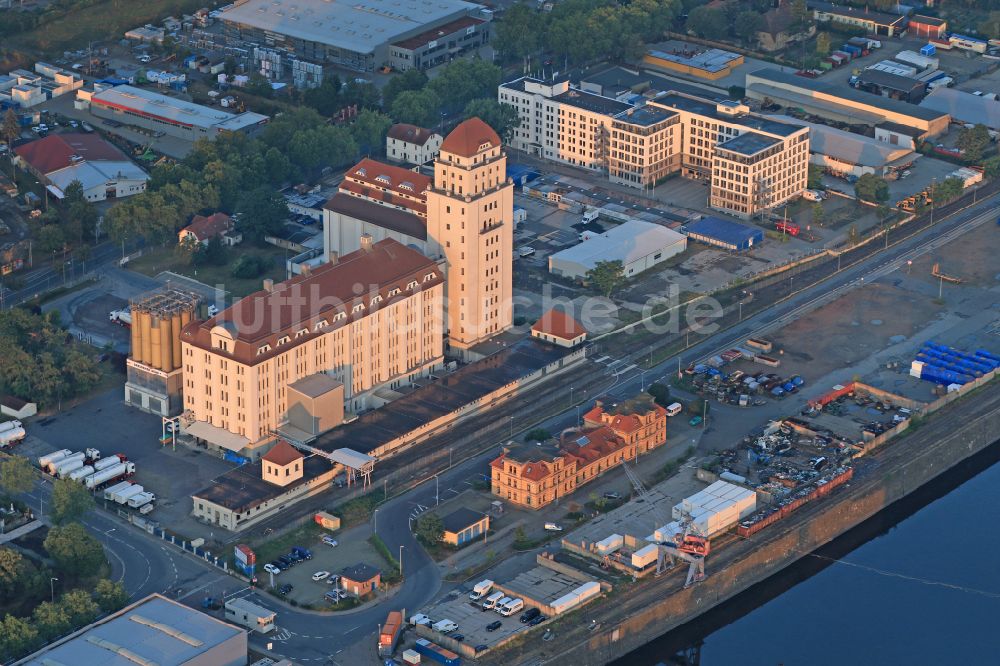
(146, 508)
(140, 499)
(109, 473)
(123, 496)
(481, 589)
(12, 436)
(65, 467)
(110, 461)
(121, 317)
(10, 425)
(81, 473)
(110, 491)
(55, 456)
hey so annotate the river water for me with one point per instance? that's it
(917, 584)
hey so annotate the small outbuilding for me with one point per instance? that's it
(360, 579)
(16, 408)
(725, 234)
(464, 525)
(559, 328)
(638, 245)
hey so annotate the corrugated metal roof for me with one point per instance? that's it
(627, 242)
(724, 230)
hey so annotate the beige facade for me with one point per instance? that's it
(238, 365)
(470, 218)
(412, 144)
(641, 145)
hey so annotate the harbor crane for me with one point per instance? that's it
(689, 545)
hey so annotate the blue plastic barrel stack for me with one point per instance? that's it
(946, 365)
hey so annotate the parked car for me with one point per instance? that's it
(529, 615)
(321, 575)
(271, 569)
(695, 421)
(612, 495)
(481, 647)
(526, 251)
(285, 589)
(286, 560)
(279, 565)
(552, 527)
(538, 619)
(329, 540)
(457, 637)
(493, 626)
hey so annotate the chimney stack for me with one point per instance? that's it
(306, 270)
(333, 257)
(268, 285)
(366, 242)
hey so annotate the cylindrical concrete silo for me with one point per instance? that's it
(156, 347)
(166, 343)
(147, 337)
(136, 337)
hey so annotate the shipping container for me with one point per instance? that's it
(610, 544)
(645, 556)
(437, 653)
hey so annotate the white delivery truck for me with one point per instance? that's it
(481, 589)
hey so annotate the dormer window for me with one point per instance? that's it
(340, 315)
(302, 332)
(385, 180)
(395, 291)
(284, 340)
(263, 349)
(361, 172)
(412, 285)
(358, 308)
(429, 277)
(375, 299)
(322, 323)
(406, 185)
(484, 146)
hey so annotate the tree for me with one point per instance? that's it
(503, 118)
(746, 26)
(872, 189)
(800, 14)
(817, 214)
(852, 235)
(417, 107)
(362, 93)
(823, 44)
(79, 607)
(462, 81)
(259, 85)
(248, 267)
(974, 141)
(815, 177)
(660, 393)
(70, 501)
(519, 34)
(187, 250)
(51, 620)
(213, 253)
(947, 190)
(74, 550)
(263, 212)
(607, 276)
(11, 129)
(411, 79)
(369, 130)
(17, 636)
(537, 435)
(16, 475)
(12, 570)
(707, 22)
(110, 596)
(49, 239)
(430, 529)
(325, 97)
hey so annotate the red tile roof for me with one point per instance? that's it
(56, 151)
(205, 228)
(589, 446)
(467, 139)
(301, 303)
(282, 454)
(400, 180)
(561, 325)
(410, 133)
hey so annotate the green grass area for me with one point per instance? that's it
(153, 262)
(306, 536)
(358, 510)
(390, 575)
(99, 21)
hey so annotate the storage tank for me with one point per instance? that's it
(147, 338)
(136, 331)
(166, 343)
(156, 347)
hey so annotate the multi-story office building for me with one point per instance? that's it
(752, 162)
(370, 319)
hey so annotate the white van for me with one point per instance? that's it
(526, 251)
(511, 607)
(420, 618)
(445, 626)
(498, 606)
(491, 601)
(480, 590)
(675, 409)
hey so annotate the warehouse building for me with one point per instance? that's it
(928, 27)
(841, 102)
(709, 64)
(847, 153)
(894, 86)
(439, 45)
(135, 106)
(357, 36)
(638, 245)
(723, 233)
(877, 23)
(153, 630)
(964, 107)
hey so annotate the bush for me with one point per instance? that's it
(660, 393)
(249, 267)
(537, 435)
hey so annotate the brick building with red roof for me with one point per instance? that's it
(535, 475)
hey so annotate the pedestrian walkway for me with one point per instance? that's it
(20, 531)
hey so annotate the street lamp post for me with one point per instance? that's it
(401, 559)
(437, 497)
(512, 426)
(52, 588)
(375, 518)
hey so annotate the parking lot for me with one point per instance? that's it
(472, 621)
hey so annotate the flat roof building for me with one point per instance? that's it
(153, 630)
(710, 64)
(856, 105)
(342, 32)
(964, 107)
(878, 23)
(464, 525)
(638, 245)
(137, 106)
(439, 44)
(892, 85)
(725, 234)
